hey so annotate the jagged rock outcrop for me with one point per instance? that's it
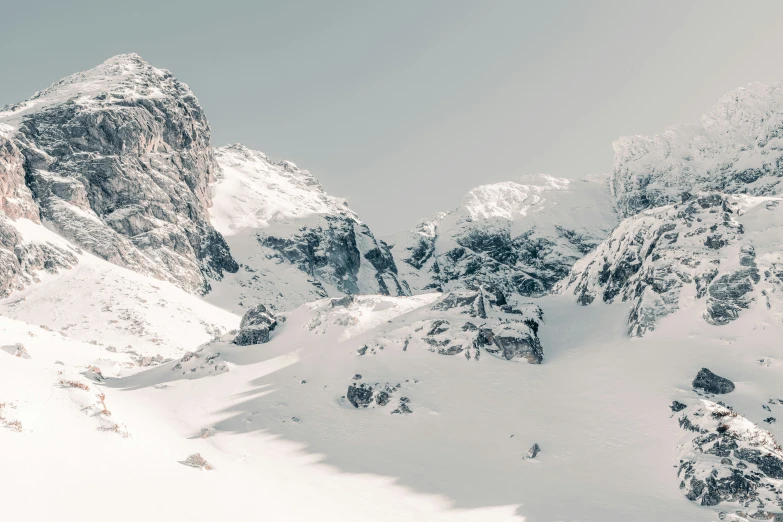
(469, 323)
(255, 327)
(118, 161)
(737, 148)
(709, 382)
(295, 242)
(711, 250)
(727, 460)
(509, 238)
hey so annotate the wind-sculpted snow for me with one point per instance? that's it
(295, 242)
(737, 148)
(510, 238)
(119, 162)
(722, 253)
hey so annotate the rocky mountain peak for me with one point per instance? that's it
(736, 148)
(117, 159)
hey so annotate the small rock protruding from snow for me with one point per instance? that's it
(21, 351)
(677, 406)
(255, 326)
(534, 450)
(709, 382)
(342, 301)
(197, 461)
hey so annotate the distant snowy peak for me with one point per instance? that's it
(509, 237)
(254, 191)
(295, 242)
(508, 199)
(736, 148)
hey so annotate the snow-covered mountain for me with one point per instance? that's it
(510, 238)
(737, 148)
(118, 160)
(294, 242)
(450, 373)
(719, 253)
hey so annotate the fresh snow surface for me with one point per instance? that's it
(109, 306)
(273, 423)
(255, 193)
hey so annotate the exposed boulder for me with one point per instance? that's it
(677, 406)
(255, 327)
(378, 395)
(197, 461)
(734, 149)
(709, 382)
(534, 450)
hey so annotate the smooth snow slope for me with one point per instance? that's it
(283, 432)
(112, 307)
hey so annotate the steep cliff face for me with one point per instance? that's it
(295, 243)
(719, 252)
(118, 161)
(737, 148)
(509, 238)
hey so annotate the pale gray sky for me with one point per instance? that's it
(404, 106)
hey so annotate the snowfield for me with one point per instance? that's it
(275, 424)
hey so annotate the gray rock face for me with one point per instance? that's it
(701, 247)
(255, 326)
(365, 395)
(509, 238)
(118, 161)
(677, 406)
(295, 242)
(21, 261)
(709, 382)
(730, 460)
(499, 330)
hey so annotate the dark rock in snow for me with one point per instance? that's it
(255, 326)
(533, 451)
(709, 382)
(360, 395)
(677, 406)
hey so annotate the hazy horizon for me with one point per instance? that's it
(403, 108)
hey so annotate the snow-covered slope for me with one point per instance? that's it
(276, 423)
(736, 148)
(295, 243)
(116, 309)
(117, 159)
(510, 237)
